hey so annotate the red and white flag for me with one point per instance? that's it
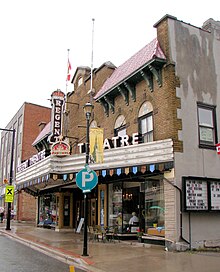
(68, 70)
(218, 148)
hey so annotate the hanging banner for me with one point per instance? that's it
(96, 145)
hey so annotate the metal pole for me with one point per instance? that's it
(85, 240)
(10, 178)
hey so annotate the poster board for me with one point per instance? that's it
(80, 225)
(196, 195)
(215, 195)
(201, 194)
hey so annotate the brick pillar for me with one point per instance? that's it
(170, 212)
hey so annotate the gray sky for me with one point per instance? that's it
(35, 36)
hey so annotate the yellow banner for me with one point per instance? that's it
(96, 145)
(9, 193)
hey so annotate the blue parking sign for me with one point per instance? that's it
(86, 179)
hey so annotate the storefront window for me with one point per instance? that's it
(123, 203)
(154, 205)
(48, 210)
(115, 202)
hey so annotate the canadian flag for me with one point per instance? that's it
(218, 148)
(68, 71)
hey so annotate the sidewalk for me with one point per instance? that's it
(119, 256)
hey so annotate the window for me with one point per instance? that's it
(207, 126)
(80, 81)
(145, 121)
(120, 126)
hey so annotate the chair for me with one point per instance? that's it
(112, 233)
(93, 234)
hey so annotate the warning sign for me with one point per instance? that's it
(9, 193)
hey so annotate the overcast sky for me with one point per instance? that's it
(35, 36)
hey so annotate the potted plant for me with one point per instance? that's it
(139, 235)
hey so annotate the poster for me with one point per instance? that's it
(215, 195)
(196, 195)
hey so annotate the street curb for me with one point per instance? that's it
(77, 260)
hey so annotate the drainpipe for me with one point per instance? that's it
(181, 208)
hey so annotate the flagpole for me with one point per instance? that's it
(68, 52)
(91, 83)
(65, 104)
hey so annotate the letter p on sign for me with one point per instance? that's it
(87, 177)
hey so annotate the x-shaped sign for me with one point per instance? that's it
(9, 192)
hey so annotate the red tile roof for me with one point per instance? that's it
(44, 132)
(146, 54)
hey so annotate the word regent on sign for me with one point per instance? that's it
(57, 101)
(86, 179)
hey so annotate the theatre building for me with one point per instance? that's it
(157, 116)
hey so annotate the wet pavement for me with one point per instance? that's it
(110, 256)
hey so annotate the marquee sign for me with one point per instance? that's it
(57, 102)
(32, 160)
(201, 194)
(117, 141)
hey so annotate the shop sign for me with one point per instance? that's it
(57, 102)
(117, 141)
(218, 148)
(60, 149)
(34, 159)
(86, 179)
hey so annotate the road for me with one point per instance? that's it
(21, 258)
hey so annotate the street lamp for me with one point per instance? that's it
(88, 107)
(10, 174)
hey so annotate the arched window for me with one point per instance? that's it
(93, 124)
(145, 122)
(120, 126)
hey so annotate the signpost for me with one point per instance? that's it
(86, 179)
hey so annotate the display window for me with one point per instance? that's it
(124, 205)
(48, 210)
(154, 207)
(135, 206)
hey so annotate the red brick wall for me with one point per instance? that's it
(33, 115)
(26, 207)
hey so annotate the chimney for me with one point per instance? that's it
(42, 126)
(213, 27)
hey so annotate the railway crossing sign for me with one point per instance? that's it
(9, 193)
(86, 179)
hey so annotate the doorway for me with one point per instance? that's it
(66, 211)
